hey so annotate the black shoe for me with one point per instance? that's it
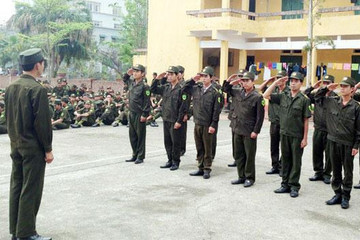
(273, 171)
(96, 125)
(75, 125)
(238, 181)
(115, 124)
(248, 183)
(345, 204)
(197, 173)
(294, 193)
(167, 165)
(131, 160)
(206, 174)
(357, 186)
(232, 164)
(35, 237)
(327, 180)
(138, 161)
(282, 190)
(334, 200)
(174, 167)
(316, 178)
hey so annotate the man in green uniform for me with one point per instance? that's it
(206, 103)
(3, 128)
(29, 128)
(320, 133)
(84, 116)
(109, 114)
(274, 118)
(139, 108)
(294, 124)
(173, 110)
(231, 115)
(61, 118)
(249, 114)
(343, 126)
(186, 116)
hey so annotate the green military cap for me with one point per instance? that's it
(91, 96)
(88, 102)
(64, 80)
(181, 68)
(281, 73)
(59, 80)
(97, 94)
(80, 104)
(139, 67)
(72, 95)
(348, 81)
(46, 82)
(73, 86)
(297, 75)
(241, 72)
(248, 75)
(207, 71)
(31, 56)
(53, 95)
(118, 93)
(65, 99)
(173, 69)
(57, 102)
(329, 78)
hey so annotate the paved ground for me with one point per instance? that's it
(91, 193)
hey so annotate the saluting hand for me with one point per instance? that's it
(49, 157)
(196, 78)
(283, 79)
(161, 76)
(211, 130)
(332, 86)
(317, 84)
(233, 76)
(130, 71)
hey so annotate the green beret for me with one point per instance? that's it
(348, 81)
(328, 78)
(297, 75)
(173, 69)
(88, 102)
(139, 67)
(181, 68)
(281, 73)
(31, 56)
(72, 95)
(207, 71)
(57, 102)
(248, 75)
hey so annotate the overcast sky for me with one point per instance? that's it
(7, 9)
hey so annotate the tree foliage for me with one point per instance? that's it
(63, 29)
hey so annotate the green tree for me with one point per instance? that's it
(62, 28)
(118, 55)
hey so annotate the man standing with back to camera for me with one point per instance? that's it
(29, 127)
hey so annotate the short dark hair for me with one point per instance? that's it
(29, 67)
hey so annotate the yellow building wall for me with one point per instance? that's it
(169, 42)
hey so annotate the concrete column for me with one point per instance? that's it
(224, 60)
(242, 59)
(225, 4)
(245, 7)
(314, 64)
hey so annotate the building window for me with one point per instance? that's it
(116, 11)
(93, 6)
(102, 38)
(114, 39)
(97, 23)
(357, 3)
(292, 5)
(117, 26)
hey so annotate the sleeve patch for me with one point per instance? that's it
(219, 99)
(184, 97)
(263, 102)
(147, 92)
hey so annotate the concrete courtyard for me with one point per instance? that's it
(92, 193)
